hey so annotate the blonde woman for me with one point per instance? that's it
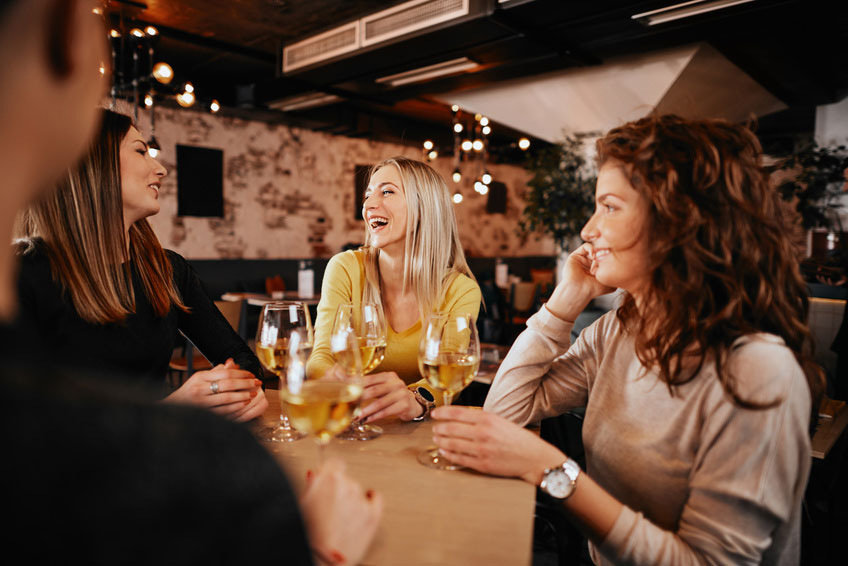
(98, 292)
(412, 264)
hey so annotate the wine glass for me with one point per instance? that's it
(369, 329)
(324, 407)
(274, 338)
(448, 358)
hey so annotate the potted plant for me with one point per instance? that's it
(560, 196)
(816, 184)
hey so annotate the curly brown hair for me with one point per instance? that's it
(721, 263)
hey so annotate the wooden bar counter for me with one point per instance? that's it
(430, 517)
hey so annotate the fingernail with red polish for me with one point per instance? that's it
(308, 475)
(337, 557)
(369, 494)
(253, 393)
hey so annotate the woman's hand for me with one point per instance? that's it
(226, 390)
(578, 285)
(340, 518)
(491, 444)
(389, 398)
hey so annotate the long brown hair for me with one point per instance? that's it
(721, 263)
(433, 254)
(81, 225)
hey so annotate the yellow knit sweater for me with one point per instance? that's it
(344, 280)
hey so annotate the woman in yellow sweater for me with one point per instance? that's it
(412, 264)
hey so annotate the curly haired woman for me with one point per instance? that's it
(698, 389)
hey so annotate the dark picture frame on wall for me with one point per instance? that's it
(200, 181)
(360, 182)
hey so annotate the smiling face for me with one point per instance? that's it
(140, 179)
(384, 209)
(617, 231)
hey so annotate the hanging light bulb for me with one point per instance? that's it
(428, 145)
(457, 175)
(136, 32)
(455, 108)
(486, 130)
(523, 143)
(188, 88)
(97, 11)
(477, 117)
(484, 121)
(114, 33)
(466, 145)
(151, 31)
(163, 72)
(457, 127)
(485, 177)
(214, 106)
(148, 100)
(484, 189)
(433, 155)
(102, 69)
(477, 145)
(478, 187)
(153, 147)
(457, 197)
(185, 99)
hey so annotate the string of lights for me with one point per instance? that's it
(470, 151)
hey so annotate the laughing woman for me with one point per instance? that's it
(698, 389)
(412, 264)
(98, 292)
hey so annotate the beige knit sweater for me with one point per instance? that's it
(703, 481)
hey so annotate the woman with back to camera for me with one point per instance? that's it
(412, 264)
(698, 389)
(97, 290)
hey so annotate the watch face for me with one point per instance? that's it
(558, 484)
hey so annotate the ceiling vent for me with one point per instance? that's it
(408, 18)
(321, 47)
(380, 30)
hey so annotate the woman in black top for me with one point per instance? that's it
(98, 291)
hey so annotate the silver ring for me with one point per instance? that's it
(213, 387)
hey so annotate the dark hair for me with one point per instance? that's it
(82, 225)
(721, 263)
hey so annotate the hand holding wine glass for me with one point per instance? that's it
(448, 358)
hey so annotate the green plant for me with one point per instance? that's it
(819, 182)
(560, 196)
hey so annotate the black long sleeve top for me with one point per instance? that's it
(91, 471)
(139, 347)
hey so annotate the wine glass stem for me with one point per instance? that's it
(448, 397)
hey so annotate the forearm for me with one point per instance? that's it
(535, 377)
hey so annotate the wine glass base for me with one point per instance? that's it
(432, 459)
(360, 432)
(279, 434)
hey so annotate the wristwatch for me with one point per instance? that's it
(560, 482)
(425, 399)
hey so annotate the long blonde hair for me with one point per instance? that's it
(81, 224)
(433, 254)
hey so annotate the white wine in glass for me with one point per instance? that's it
(448, 359)
(277, 350)
(369, 328)
(325, 407)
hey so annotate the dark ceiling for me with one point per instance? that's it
(231, 51)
